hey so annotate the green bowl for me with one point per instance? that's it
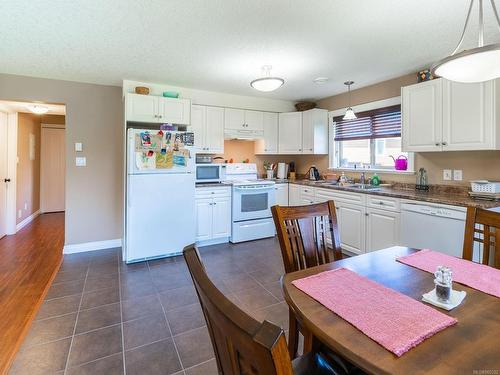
(170, 94)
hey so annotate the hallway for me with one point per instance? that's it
(29, 261)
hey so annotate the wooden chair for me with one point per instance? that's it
(302, 233)
(242, 345)
(488, 235)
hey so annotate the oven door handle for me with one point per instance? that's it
(250, 189)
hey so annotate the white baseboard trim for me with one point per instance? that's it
(91, 246)
(26, 221)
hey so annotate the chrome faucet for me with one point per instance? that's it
(362, 179)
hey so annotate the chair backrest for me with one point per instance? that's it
(242, 345)
(483, 227)
(302, 233)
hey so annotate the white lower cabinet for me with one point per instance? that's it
(213, 215)
(281, 193)
(382, 229)
(351, 221)
(294, 195)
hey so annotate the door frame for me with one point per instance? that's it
(12, 173)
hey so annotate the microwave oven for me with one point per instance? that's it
(210, 173)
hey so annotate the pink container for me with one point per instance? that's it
(401, 163)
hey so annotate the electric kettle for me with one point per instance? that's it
(313, 173)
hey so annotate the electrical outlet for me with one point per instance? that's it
(19, 214)
(457, 175)
(25, 206)
(81, 161)
(447, 174)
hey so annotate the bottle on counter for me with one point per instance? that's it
(375, 180)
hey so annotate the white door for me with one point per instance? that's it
(52, 169)
(221, 219)
(422, 116)
(3, 174)
(215, 130)
(351, 220)
(307, 132)
(234, 119)
(142, 108)
(382, 229)
(203, 208)
(254, 120)
(269, 144)
(468, 121)
(198, 126)
(294, 195)
(290, 133)
(281, 194)
(175, 111)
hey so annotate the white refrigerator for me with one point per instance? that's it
(159, 209)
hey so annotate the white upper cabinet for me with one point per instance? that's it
(422, 118)
(441, 115)
(208, 127)
(290, 133)
(468, 116)
(254, 120)
(157, 109)
(315, 131)
(240, 119)
(269, 143)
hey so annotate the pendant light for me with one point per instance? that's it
(349, 113)
(478, 64)
(267, 83)
(38, 109)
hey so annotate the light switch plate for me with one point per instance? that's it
(457, 175)
(81, 161)
(447, 174)
(78, 147)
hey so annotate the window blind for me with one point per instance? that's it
(378, 123)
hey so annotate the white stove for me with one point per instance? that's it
(252, 202)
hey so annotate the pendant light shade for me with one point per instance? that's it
(267, 83)
(349, 113)
(478, 64)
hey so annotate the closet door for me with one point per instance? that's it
(52, 170)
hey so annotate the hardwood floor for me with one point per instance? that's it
(29, 261)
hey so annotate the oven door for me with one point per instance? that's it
(253, 202)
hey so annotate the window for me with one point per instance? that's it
(370, 141)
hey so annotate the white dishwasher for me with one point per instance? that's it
(434, 226)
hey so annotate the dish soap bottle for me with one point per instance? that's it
(375, 180)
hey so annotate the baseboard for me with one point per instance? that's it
(91, 246)
(26, 221)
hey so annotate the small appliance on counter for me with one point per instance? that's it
(282, 171)
(214, 172)
(314, 174)
(204, 159)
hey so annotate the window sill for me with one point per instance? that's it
(380, 171)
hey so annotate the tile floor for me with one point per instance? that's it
(102, 316)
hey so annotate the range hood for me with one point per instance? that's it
(247, 135)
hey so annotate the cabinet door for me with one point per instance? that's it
(382, 229)
(198, 126)
(281, 194)
(290, 133)
(254, 120)
(215, 130)
(468, 122)
(269, 144)
(234, 119)
(307, 132)
(203, 211)
(294, 195)
(175, 111)
(422, 116)
(221, 219)
(142, 108)
(351, 220)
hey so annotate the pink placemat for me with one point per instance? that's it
(477, 276)
(395, 321)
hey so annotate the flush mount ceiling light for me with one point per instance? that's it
(320, 80)
(349, 113)
(267, 83)
(478, 64)
(38, 109)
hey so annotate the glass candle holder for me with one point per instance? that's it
(443, 282)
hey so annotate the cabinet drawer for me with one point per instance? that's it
(383, 203)
(323, 195)
(213, 192)
(306, 192)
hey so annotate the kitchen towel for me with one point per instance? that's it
(477, 276)
(395, 321)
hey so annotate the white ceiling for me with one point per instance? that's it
(220, 45)
(23, 107)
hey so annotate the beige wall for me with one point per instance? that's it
(94, 116)
(28, 171)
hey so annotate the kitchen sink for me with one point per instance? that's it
(364, 187)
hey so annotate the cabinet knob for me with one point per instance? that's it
(310, 149)
(6, 180)
(444, 143)
(300, 149)
(437, 144)
(337, 208)
(367, 214)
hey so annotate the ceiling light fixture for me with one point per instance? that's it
(320, 80)
(349, 113)
(478, 64)
(267, 83)
(38, 109)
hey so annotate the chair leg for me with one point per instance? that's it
(293, 335)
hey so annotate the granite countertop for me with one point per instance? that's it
(213, 184)
(441, 194)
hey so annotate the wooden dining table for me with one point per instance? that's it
(472, 346)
